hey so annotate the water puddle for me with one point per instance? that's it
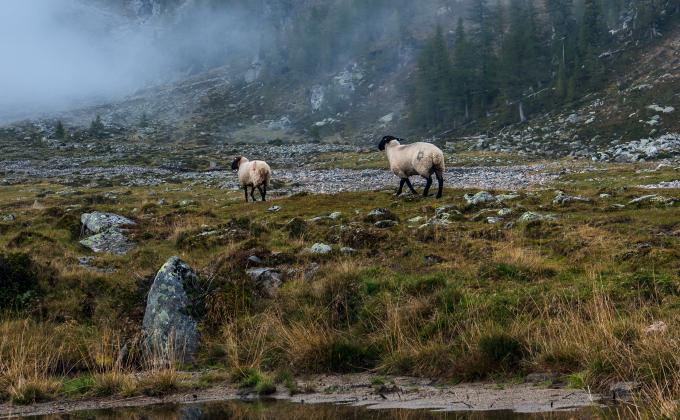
(276, 409)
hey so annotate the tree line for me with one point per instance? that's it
(509, 58)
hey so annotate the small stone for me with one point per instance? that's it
(504, 212)
(493, 220)
(254, 259)
(482, 197)
(624, 390)
(267, 281)
(8, 218)
(335, 215)
(506, 197)
(533, 217)
(320, 248)
(385, 224)
(311, 271)
(274, 209)
(432, 259)
(380, 214)
(657, 327)
(562, 198)
(416, 220)
(347, 250)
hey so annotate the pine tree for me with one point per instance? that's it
(96, 126)
(462, 73)
(144, 120)
(60, 131)
(434, 103)
(562, 42)
(485, 60)
(522, 61)
(589, 73)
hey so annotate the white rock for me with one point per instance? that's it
(320, 248)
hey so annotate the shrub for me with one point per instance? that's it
(18, 280)
(345, 355)
(501, 351)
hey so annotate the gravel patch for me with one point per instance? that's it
(322, 181)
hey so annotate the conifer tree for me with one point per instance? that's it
(60, 131)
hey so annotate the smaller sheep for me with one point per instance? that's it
(420, 158)
(255, 174)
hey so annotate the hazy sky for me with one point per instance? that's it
(56, 54)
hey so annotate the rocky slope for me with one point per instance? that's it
(251, 98)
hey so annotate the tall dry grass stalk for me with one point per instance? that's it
(29, 358)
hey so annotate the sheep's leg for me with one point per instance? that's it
(401, 187)
(252, 193)
(410, 186)
(262, 193)
(245, 189)
(427, 186)
(440, 180)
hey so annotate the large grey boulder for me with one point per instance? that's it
(170, 333)
(97, 222)
(112, 241)
(108, 233)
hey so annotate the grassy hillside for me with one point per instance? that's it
(462, 301)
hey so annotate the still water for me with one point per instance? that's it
(285, 410)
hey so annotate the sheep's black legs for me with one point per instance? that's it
(263, 191)
(245, 189)
(440, 180)
(407, 182)
(252, 193)
(427, 186)
(410, 187)
(401, 186)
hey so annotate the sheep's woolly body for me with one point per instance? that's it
(420, 158)
(254, 174)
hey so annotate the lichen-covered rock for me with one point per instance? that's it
(386, 224)
(321, 249)
(652, 198)
(97, 222)
(562, 198)
(380, 214)
(170, 333)
(111, 241)
(267, 281)
(8, 218)
(482, 197)
(530, 216)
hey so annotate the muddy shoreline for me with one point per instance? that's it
(356, 390)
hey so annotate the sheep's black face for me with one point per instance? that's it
(236, 163)
(384, 142)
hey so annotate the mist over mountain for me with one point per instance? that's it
(343, 70)
(68, 53)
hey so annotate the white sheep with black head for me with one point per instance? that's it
(406, 160)
(254, 174)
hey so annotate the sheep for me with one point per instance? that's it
(408, 160)
(255, 174)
